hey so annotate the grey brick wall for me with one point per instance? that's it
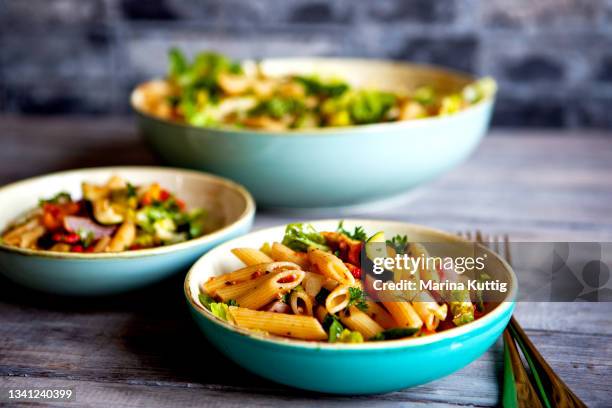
(552, 58)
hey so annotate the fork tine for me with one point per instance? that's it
(507, 249)
(496, 245)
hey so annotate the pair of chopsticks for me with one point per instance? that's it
(534, 386)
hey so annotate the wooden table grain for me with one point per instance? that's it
(142, 350)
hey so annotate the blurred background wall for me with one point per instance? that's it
(552, 58)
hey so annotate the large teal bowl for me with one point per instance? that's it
(109, 273)
(330, 166)
(365, 368)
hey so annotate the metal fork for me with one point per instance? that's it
(518, 389)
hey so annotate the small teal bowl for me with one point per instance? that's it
(366, 368)
(110, 273)
(343, 165)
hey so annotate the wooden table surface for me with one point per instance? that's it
(142, 350)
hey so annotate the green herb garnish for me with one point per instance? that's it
(300, 237)
(398, 243)
(358, 234)
(357, 297)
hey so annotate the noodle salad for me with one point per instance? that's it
(112, 217)
(311, 286)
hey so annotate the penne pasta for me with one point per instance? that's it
(250, 272)
(380, 315)
(429, 310)
(301, 303)
(250, 256)
(358, 321)
(338, 299)
(404, 314)
(312, 283)
(280, 252)
(431, 313)
(227, 293)
(272, 288)
(281, 324)
(331, 266)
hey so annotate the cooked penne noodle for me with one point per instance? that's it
(380, 315)
(312, 283)
(429, 310)
(250, 272)
(357, 320)
(227, 293)
(280, 252)
(270, 289)
(123, 237)
(13, 237)
(250, 256)
(281, 324)
(330, 284)
(431, 313)
(338, 299)
(404, 314)
(300, 303)
(331, 266)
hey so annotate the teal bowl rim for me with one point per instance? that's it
(271, 340)
(336, 131)
(247, 214)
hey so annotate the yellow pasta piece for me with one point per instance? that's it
(281, 324)
(250, 256)
(431, 313)
(404, 314)
(380, 315)
(312, 283)
(302, 297)
(357, 320)
(281, 252)
(123, 237)
(250, 272)
(272, 288)
(331, 266)
(338, 299)
(229, 292)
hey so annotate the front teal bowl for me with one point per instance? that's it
(354, 371)
(366, 368)
(329, 167)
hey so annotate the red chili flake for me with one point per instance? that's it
(72, 238)
(164, 195)
(287, 279)
(256, 274)
(90, 248)
(77, 248)
(57, 237)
